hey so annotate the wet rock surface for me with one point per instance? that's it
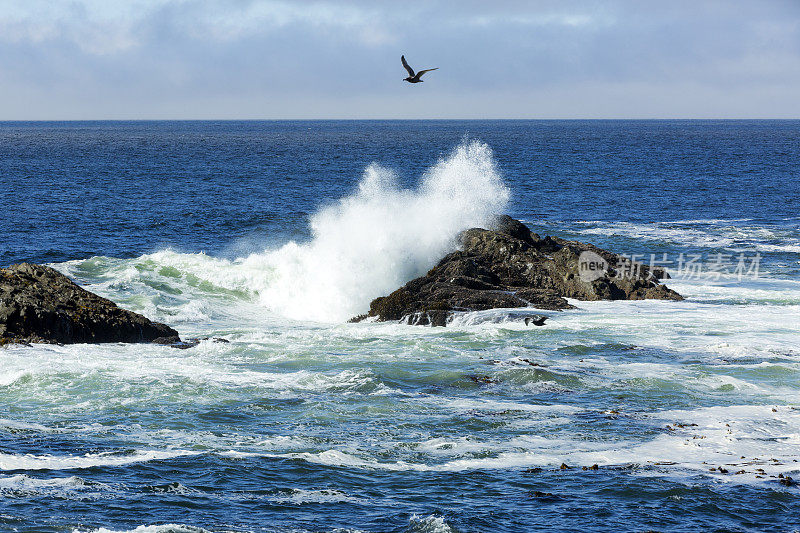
(39, 304)
(511, 267)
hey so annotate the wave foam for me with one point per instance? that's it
(165, 528)
(364, 245)
(429, 524)
(303, 496)
(370, 243)
(66, 462)
(712, 233)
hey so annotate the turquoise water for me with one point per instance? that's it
(303, 422)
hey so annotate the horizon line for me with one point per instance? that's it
(574, 119)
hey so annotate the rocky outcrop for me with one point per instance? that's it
(39, 304)
(511, 267)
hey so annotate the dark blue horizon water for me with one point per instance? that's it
(70, 190)
(296, 425)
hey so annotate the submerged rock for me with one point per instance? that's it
(39, 304)
(176, 342)
(511, 267)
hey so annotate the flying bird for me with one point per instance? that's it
(414, 78)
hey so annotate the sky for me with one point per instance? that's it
(265, 59)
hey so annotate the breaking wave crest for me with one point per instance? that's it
(363, 246)
(371, 242)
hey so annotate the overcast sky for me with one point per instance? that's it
(142, 59)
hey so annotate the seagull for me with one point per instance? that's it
(414, 78)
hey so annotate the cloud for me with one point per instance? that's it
(305, 59)
(102, 27)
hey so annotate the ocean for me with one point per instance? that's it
(270, 235)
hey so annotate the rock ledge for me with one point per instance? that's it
(511, 267)
(39, 304)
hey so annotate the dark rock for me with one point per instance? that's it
(39, 304)
(482, 380)
(167, 340)
(548, 496)
(185, 345)
(515, 228)
(510, 267)
(536, 320)
(176, 342)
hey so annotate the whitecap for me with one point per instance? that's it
(165, 528)
(90, 460)
(429, 524)
(321, 496)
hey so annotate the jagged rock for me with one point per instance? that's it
(39, 304)
(176, 342)
(511, 267)
(536, 320)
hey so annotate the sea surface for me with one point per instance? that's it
(270, 235)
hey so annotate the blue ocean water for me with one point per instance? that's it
(271, 234)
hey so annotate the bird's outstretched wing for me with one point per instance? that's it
(409, 69)
(421, 72)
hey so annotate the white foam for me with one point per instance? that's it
(64, 462)
(730, 234)
(429, 524)
(10, 377)
(509, 318)
(370, 243)
(324, 496)
(165, 528)
(22, 482)
(686, 442)
(752, 331)
(489, 404)
(17, 425)
(119, 368)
